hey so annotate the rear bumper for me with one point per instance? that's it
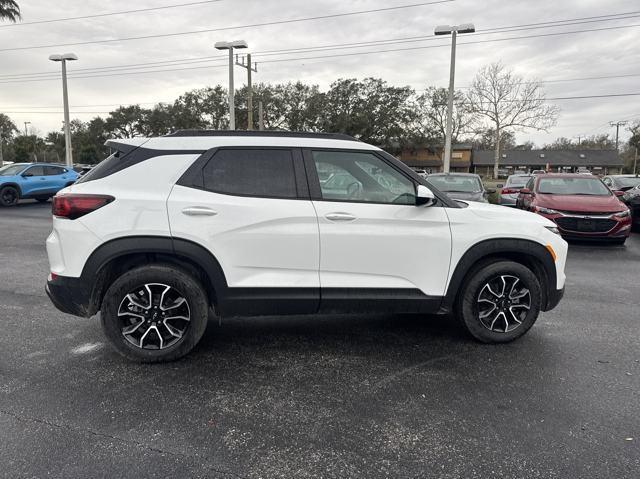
(70, 295)
(553, 298)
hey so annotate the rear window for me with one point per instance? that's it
(456, 184)
(252, 172)
(629, 182)
(102, 169)
(573, 186)
(517, 180)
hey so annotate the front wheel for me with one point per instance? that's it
(499, 302)
(9, 196)
(155, 313)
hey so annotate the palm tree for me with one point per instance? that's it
(9, 10)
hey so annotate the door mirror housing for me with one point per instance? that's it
(525, 191)
(424, 196)
(27, 175)
(618, 193)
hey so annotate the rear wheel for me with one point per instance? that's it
(155, 313)
(9, 196)
(499, 302)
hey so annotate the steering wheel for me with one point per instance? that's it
(354, 190)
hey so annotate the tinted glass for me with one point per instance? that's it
(53, 170)
(361, 177)
(35, 171)
(265, 173)
(573, 186)
(456, 184)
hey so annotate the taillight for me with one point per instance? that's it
(72, 206)
(510, 191)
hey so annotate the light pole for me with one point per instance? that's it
(65, 99)
(26, 133)
(453, 31)
(230, 46)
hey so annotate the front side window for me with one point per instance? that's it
(573, 186)
(251, 172)
(35, 171)
(361, 177)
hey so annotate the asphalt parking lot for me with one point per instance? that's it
(393, 396)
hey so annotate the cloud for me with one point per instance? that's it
(546, 58)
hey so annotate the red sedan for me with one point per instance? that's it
(582, 206)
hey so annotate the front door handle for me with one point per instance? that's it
(199, 211)
(340, 217)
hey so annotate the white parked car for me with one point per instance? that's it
(169, 228)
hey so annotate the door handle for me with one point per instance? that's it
(340, 217)
(199, 211)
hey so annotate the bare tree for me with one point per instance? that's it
(431, 115)
(507, 100)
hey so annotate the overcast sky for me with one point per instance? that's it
(615, 51)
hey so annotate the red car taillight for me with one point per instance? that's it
(72, 206)
(510, 191)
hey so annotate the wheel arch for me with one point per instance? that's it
(113, 258)
(531, 254)
(14, 185)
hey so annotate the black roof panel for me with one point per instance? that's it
(269, 133)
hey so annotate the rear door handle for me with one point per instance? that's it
(340, 216)
(199, 211)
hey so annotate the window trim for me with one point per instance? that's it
(314, 180)
(193, 177)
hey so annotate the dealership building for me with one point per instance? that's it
(598, 162)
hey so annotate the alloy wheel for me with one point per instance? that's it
(503, 304)
(154, 316)
(9, 196)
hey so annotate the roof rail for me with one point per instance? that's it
(269, 133)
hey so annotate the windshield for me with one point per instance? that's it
(629, 182)
(518, 180)
(573, 186)
(458, 184)
(11, 170)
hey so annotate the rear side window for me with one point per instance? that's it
(54, 170)
(252, 172)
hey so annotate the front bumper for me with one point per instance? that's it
(70, 295)
(619, 227)
(553, 298)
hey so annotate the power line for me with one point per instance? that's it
(97, 15)
(219, 29)
(414, 39)
(56, 77)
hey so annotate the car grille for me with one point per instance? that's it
(586, 225)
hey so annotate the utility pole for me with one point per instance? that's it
(26, 133)
(260, 116)
(635, 162)
(617, 124)
(249, 69)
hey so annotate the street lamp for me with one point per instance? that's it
(453, 31)
(65, 99)
(230, 46)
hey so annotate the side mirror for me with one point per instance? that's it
(424, 196)
(618, 193)
(525, 191)
(27, 175)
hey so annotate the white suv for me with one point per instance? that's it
(168, 229)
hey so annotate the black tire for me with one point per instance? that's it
(9, 196)
(154, 276)
(42, 199)
(475, 300)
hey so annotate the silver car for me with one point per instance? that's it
(509, 191)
